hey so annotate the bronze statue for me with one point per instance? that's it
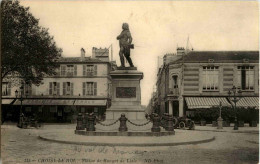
(125, 40)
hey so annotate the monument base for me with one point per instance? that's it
(126, 94)
(114, 113)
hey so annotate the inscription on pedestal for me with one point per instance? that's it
(125, 92)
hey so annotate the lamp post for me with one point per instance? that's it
(21, 98)
(233, 96)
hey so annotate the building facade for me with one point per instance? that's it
(202, 79)
(82, 84)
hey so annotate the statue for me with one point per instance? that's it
(125, 40)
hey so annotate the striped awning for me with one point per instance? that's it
(44, 102)
(205, 102)
(29, 102)
(58, 102)
(90, 102)
(7, 101)
(248, 102)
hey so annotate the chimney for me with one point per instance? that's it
(82, 54)
(180, 51)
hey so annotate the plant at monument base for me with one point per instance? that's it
(28, 52)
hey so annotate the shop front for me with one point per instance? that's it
(60, 110)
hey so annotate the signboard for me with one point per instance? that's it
(125, 92)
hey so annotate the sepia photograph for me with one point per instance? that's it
(135, 82)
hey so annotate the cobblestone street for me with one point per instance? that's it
(24, 146)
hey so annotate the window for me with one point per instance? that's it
(27, 88)
(67, 88)
(54, 88)
(68, 70)
(89, 88)
(245, 78)
(89, 70)
(210, 78)
(175, 81)
(6, 89)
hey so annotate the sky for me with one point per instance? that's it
(157, 28)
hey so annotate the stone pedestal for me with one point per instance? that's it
(220, 123)
(126, 94)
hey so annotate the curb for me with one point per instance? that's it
(251, 132)
(128, 144)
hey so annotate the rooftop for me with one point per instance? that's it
(79, 60)
(222, 56)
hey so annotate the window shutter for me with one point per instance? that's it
(71, 89)
(84, 88)
(75, 70)
(84, 70)
(29, 89)
(63, 70)
(9, 89)
(58, 88)
(64, 88)
(95, 70)
(50, 88)
(58, 71)
(95, 88)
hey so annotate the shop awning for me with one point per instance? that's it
(7, 101)
(205, 102)
(29, 102)
(58, 102)
(248, 102)
(44, 102)
(91, 102)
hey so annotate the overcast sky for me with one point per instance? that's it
(157, 28)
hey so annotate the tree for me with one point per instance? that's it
(27, 49)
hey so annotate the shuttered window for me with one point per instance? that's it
(90, 70)
(54, 88)
(63, 70)
(90, 88)
(6, 89)
(28, 89)
(75, 70)
(68, 88)
(84, 70)
(68, 70)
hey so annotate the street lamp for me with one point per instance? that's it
(233, 96)
(21, 98)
